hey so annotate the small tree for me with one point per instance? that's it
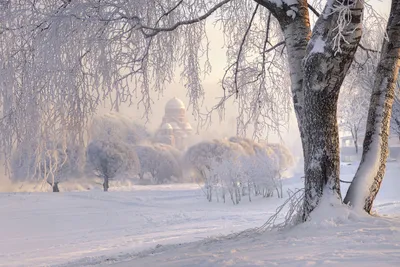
(54, 167)
(56, 164)
(109, 159)
(267, 169)
(149, 160)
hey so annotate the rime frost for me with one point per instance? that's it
(239, 167)
(78, 55)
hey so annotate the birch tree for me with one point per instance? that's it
(60, 59)
(368, 178)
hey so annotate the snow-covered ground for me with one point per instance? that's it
(152, 225)
(49, 228)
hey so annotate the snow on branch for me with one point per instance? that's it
(61, 59)
(372, 15)
(344, 11)
(155, 31)
(256, 78)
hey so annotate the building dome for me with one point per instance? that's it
(174, 126)
(174, 103)
(187, 126)
(166, 126)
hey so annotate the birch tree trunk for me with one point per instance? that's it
(325, 66)
(368, 178)
(297, 33)
(318, 67)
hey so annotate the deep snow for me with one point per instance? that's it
(148, 226)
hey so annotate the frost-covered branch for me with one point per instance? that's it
(155, 31)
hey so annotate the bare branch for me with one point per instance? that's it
(314, 10)
(156, 30)
(169, 11)
(241, 48)
(275, 46)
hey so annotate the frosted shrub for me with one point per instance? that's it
(109, 159)
(201, 156)
(238, 167)
(160, 162)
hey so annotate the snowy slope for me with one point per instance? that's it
(148, 226)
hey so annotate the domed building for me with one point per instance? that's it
(165, 134)
(175, 124)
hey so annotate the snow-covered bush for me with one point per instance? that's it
(109, 159)
(281, 154)
(262, 172)
(284, 156)
(261, 166)
(148, 159)
(199, 158)
(160, 161)
(177, 154)
(227, 177)
(238, 167)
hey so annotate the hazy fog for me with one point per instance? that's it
(213, 90)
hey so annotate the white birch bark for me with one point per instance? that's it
(371, 171)
(325, 66)
(318, 67)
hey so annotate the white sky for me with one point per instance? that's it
(212, 88)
